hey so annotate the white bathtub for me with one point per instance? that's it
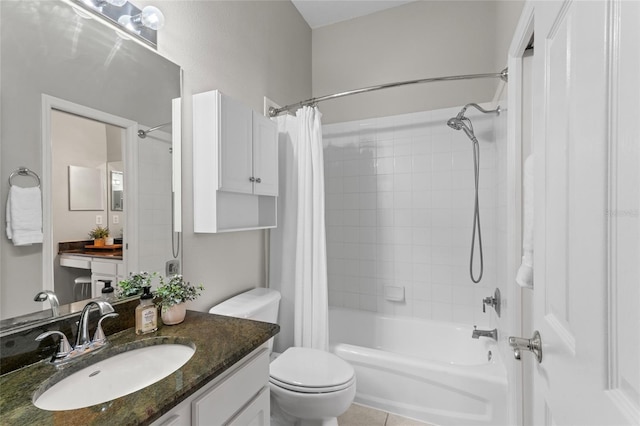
(426, 370)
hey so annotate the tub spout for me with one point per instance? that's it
(493, 334)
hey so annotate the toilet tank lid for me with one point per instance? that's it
(246, 304)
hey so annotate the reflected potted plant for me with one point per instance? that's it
(172, 296)
(98, 234)
(134, 284)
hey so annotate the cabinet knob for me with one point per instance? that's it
(258, 180)
(252, 179)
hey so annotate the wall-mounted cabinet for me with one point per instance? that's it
(235, 166)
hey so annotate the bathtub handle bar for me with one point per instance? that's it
(533, 345)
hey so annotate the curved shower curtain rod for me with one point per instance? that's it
(273, 112)
(143, 133)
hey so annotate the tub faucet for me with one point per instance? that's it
(493, 334)
(53, 300)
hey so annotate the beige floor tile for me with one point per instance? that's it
(357, 415)
(394, 420)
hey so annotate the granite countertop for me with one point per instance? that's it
(220, 342)
(84, 248)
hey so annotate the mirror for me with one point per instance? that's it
(86, 188)
(53, 58)
(117, 188)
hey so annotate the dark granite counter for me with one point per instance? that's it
(220, 342)
(85, 248)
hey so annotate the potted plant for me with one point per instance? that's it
(98, 234)
(172, 296)
(134, 284)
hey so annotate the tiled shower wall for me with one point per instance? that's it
(399, 214)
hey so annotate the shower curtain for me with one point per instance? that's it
(298, 256)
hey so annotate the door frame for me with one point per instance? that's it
(518, 308)
(130, 129)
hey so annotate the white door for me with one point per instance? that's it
(265, 155)
(586, 299)
(236, 168)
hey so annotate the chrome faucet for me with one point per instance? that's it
(82, 337)
(493, 334)
(53, 300)
(83, 344)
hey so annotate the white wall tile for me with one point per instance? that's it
(399, 206)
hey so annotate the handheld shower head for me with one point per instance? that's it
(458, 123)
(455, 123)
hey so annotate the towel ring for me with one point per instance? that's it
(23, 171)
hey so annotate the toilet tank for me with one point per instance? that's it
(259, 304)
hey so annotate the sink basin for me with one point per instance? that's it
(111, 378)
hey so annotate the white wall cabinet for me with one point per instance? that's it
(240, 396)
(235, 165)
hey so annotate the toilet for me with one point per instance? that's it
(313, 387)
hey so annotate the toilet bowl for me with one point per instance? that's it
(312, 386)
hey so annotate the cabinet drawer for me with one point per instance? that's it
(75, 262)
(107, 268)
(223, 401)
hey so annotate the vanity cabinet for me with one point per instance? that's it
(235, 165)
(240, 396)
(101, 268)
(105, 269)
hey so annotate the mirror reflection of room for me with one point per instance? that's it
(91, 152)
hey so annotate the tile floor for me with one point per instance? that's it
(359, 415)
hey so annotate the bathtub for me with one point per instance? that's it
(426, 370)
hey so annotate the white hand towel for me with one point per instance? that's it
(524, 277)
(24, 215)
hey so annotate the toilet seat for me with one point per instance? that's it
(308, 370)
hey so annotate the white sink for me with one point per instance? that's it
(114, 377)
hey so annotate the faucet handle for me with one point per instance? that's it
(64, 348)
(99, 336)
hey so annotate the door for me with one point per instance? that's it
(265, 155)
(236, 169)
(586, 300)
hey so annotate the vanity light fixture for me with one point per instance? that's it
(150, 17)
(127, 18)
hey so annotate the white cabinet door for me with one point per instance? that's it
(584, 304)
(256, 413)
(265, 155)
(235, 166)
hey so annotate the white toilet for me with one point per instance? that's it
(310, 385)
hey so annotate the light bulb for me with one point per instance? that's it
(117, 3)
(151, 17)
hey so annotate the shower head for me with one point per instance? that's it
(455, 123)
(460, 123)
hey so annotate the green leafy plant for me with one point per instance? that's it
(176, 290)
(99, 232)
(134, 284)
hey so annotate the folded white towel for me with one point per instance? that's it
(524, 277)
(24, 215)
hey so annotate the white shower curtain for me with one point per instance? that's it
(298, 246)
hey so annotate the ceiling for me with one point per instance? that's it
(319, 13)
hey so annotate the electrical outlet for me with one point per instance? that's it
(99, 219)
(116, 218)
(172, 267)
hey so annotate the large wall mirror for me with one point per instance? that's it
(71, 86)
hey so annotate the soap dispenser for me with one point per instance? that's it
(146, 313)
(107, 291)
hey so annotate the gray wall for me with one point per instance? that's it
(417, 40)
(248, 50)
